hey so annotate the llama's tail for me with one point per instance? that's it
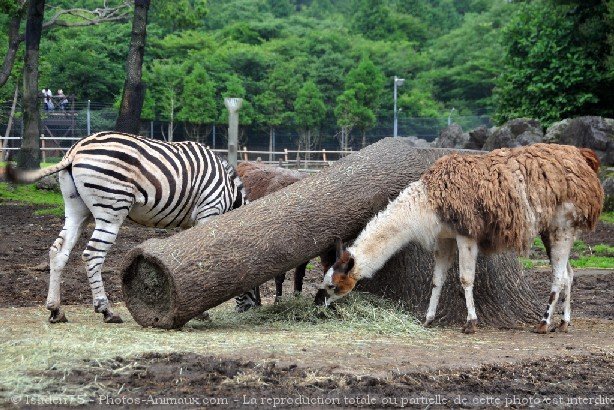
(19, 176)
(591, 158)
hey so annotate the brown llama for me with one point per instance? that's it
(490, 202)
(260, 180)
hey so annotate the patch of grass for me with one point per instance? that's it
(358, 311)
(539, 244)
(30, 345)
(527, 263)
(579, 246)
(607, 217)
(603, 250)
(28, 194)
(599, 262)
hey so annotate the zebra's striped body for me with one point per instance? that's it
(110, 177)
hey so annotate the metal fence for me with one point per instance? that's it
(61, 128)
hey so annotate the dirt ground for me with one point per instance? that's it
(512, 366)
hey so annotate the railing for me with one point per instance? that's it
(304, 160)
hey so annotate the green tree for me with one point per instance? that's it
(198, 102)
(554, 63)
(367, 82)
(309, 110)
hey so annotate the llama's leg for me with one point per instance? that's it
(299, 276)
(443, 260)
(564, 325)
(561, 244)
(467, 255)
(76, 213)
(102, 239)
(279, 286)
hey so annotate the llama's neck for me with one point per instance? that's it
(406, 219)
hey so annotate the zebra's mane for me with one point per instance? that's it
(236, 179)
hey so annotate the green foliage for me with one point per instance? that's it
(198, 102)
(309, 106)
(554, 62)
(29, 194)
(599, 262)
(607, 217)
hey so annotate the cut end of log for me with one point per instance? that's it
(149, 293)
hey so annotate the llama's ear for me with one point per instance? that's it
(339, 247)
(350, 265)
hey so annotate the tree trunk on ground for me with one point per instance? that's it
(29, 154)
(166, 282)
(502, 296)
(129, 119)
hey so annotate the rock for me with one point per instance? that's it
(477, 138)
(49, 183)
(515, 133)
(608, 188)
(451, 137)
(596, 133)
(418, 142)
(553, 133)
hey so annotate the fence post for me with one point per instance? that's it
(245, 157)
(233, 105)
(324, 155)
(43, 150)
(88, 119)
(286, 154)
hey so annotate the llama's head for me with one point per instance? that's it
(340, 278)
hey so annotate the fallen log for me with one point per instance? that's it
(166, 282)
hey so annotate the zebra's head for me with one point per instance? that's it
(340, 278)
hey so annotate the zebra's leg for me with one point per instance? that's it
(76, 214)
(279, 285)
(443, 260)
(248, 300)
(564, 325)
(102, 239)
(299, 276)
(561, 243)
(467, 256)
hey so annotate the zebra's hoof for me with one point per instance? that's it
(57, 316)
(110, 317)
(563, 326)
(542, 328)
(470, 327)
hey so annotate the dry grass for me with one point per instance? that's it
(29, 345)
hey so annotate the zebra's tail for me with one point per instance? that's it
(19, 176)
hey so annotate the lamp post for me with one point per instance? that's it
(233, 105)
(397, 82)
(450, 116)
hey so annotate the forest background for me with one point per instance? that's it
(308, 65)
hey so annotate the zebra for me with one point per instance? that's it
(111, 176)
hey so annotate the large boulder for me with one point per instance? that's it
(49, 183)
(451, 137)
(596, 133)
(515, 133)
(418, 142)
(608, 188)
(478, 137)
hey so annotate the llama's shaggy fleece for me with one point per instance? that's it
(506, 197)
(260, 179)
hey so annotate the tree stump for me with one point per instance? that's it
(166, 282)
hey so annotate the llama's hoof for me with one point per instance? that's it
(563, 326)
(542, 328)
(428, 322)
(470, 327)
(110, 317)
(57, 316)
